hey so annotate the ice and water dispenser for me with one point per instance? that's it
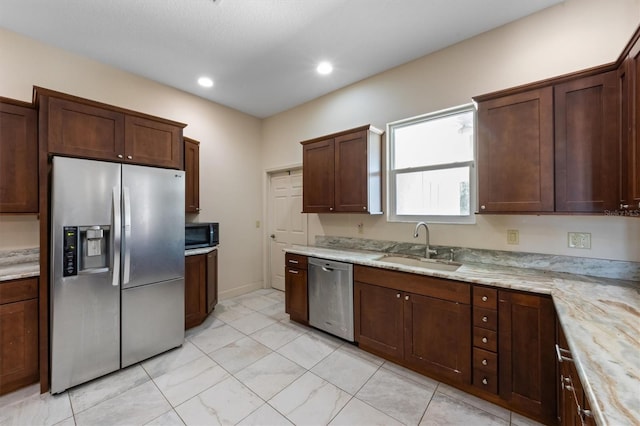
(86, 249)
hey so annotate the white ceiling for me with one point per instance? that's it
(261, 54)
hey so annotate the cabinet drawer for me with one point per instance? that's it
(485, 318)
(485, 297)
(295, 261)
(17, 290)
(485, 339)
(485, 360)
(485, 380)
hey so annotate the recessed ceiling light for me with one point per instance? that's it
(205, 82)
(324, 68)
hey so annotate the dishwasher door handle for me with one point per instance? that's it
(324, 268)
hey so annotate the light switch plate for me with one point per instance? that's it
(513, 236)
(581, 240)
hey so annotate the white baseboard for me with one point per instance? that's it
(237, 291)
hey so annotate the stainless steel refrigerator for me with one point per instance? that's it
(117, 267)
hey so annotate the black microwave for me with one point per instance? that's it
(196, 235)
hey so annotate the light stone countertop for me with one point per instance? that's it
(600, 317)
(20, 263)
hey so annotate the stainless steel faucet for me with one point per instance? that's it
(427, 251)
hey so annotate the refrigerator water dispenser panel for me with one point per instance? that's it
(94, 246)
(70, 251)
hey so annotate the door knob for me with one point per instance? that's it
(272, 236)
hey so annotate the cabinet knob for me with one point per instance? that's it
(485, 381)
(485, 298)
(484, 362)
(482, 207)
(129, 157)
(364, 207)
(330, 209)
(485, 340)
(398, 296)
(119, 155)
(624, 206)
(406, 297)
(485, 319)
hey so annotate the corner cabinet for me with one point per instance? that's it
(296, 298)
(18, 334)
(80, 127)
(417, 321)
(192, 175)
(200, 287)
(342, 172)
(18, 157)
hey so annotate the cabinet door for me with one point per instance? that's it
(318, 182)
(18, 159)
(195, 298)
(437, 336)
(153, 143)
(84, 131)
(515, 153)
(212, 280)
(18, 345)
(526, 354)
(296, 295)
(633, 151)
(351, 174)
(587, 147)
(379, 321)
(192, 175)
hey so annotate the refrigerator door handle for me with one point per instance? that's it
(117, 228)
(127, 235)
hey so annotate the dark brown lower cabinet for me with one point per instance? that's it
(296, 295)
(18, 334)
(379, 320)
(426, 333)
(526, 352)
(200, 287)
(573, 406)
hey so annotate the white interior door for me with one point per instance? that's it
(287, 224)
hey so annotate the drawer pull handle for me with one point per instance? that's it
(485, 381)
(563, 354)
(485, 319)
(293, 261)
(485, 340)
(292, 271)
(485, 298)
(484, 362)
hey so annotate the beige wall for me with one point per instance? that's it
(230, 180)
(574, 35)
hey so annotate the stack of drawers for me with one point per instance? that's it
(485, 338)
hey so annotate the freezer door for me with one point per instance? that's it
(152, 320)
(153, 220)
(85, 306)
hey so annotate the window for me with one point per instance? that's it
(431, 167)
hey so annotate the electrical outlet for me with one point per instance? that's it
(257, 224)
(581, 240)
(513, 236)
(361, 228)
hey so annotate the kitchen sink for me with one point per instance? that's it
(420, 262)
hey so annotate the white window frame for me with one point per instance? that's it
(392, 173)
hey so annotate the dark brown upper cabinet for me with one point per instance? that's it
(83, 128)
(515, 152)
(587, 152)
(342, 172)
(18, 157)
(192, 175)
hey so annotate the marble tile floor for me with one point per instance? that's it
(247, 364)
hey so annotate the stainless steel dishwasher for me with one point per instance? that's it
(331, 297)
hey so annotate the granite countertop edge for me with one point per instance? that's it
(591, 310)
